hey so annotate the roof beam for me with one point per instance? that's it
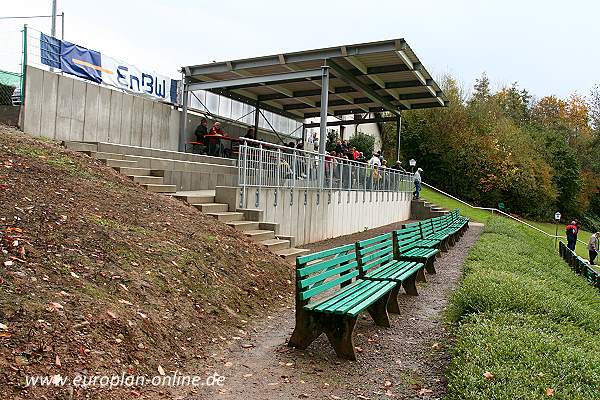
(353, 122)
(363, 87)
(256, 80)
(281, 90)
(378, 81)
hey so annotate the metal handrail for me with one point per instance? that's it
(496, 210)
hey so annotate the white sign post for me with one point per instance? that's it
(556, 219)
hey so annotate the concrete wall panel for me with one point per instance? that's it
(48, 106)
(116, 107)
(147, 123)
(64, 108)
(126, 114)
(78, 110)
(90, 124)
(33, 101)
(104, 99)
(137, 117)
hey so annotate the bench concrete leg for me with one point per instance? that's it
(410, 286)
(392, 305)
(308, 328)
(429, 265)
(339, 332)
(420, 276)
(378, 311)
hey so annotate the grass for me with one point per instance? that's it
(483, 215)
(522, 315)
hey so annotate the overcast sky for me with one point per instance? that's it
(549, 47)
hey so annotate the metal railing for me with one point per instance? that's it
(265, 165)
(495, 210)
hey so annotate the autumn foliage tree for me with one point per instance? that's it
(535, 156)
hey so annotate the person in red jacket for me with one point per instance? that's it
(572, 230)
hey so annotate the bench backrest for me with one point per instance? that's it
(427, 228)
(374, 252)
(405, 240)
(319, 272)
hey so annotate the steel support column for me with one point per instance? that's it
(256, 118)
(183, 122)
(323, 121)
(398, 130)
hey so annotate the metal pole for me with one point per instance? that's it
(323, 120)
(53, 29)
(24, 66)
(256, 119)
(304, 135)
(556, 234)
(183, 122)
(62, 28)
(398, 129)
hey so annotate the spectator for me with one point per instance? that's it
(375, 162)
(250, 134)
(572, 230)
(398, 166)
(417, 180)
(594, 246)
(217, 130)
(339, 147)
(215, 147)
(361, 157)
(201, 131)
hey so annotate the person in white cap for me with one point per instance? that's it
(417, 180)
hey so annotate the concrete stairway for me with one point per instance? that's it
(247, 221)
(150, 179)
(147, 168)
(422, 209)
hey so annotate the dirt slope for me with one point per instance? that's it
(99, 276)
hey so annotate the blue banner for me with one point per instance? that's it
(92, 65)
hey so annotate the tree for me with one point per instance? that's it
(363, 143)
(481, 89)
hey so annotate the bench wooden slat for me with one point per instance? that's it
(322, 254)
(363, 300)
(372, 299)
(362, 250)
(304, 283)
(327, 285)
(310, 269)
(340, 295)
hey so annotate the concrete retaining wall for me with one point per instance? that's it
(313, 215)
(63, 108)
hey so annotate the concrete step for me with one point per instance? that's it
(260, 235)
(227, 216)
(144, 179)
(291, 253)
(196, 197)
(276, 244)
(101, 155)
(291, 239)
(243, 225)
(135, 171)
(160, 188)
(81, 147)
(120, 163)
(212, 207)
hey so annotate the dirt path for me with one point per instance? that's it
(407, 360)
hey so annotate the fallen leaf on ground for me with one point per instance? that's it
(125, 302)
(424, 391)
(488, 375)
(57, 362)
(111, 314)
(3, 327)
(549, 392)
(161, 370)
(247, 346)
(387, 384)
(435, 346)
(359, 349)
(55, 306)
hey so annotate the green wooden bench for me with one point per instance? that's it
(460, 221)
(579, 265)
(414, 232)
(329, 297)
(409, 249)
(377, 261)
